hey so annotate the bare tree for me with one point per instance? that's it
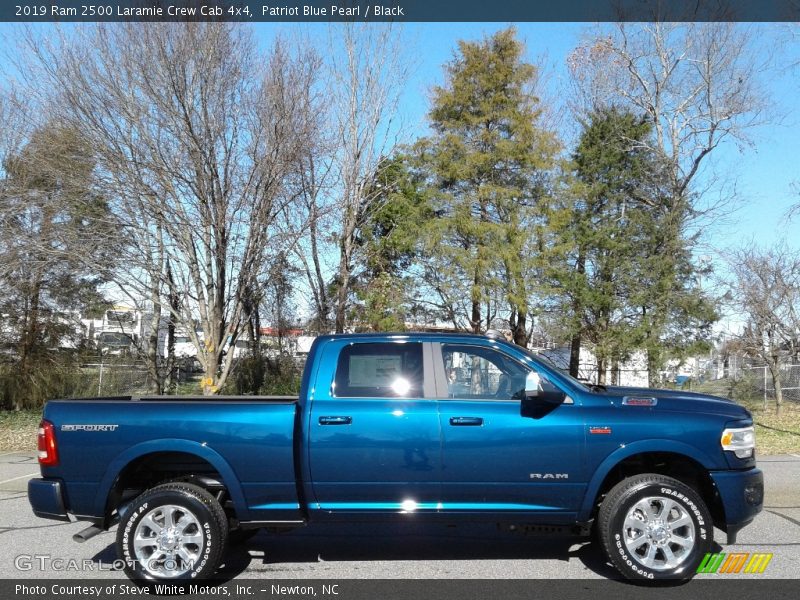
(766, 291)
(698, 84)
(194, 131)
(368, 70)
(312, 214)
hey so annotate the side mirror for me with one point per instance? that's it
(533, 385)
(539, 401)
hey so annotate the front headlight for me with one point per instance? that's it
(740, 440)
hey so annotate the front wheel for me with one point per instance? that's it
(655, 527)
(173, 531)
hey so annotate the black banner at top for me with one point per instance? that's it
(398, 10)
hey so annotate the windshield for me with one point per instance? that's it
(561, 370)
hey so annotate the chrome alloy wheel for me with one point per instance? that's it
(659, 532)
(168, 541)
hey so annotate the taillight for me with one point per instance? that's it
(48, 454)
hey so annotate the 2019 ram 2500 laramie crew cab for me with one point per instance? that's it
(409, 426)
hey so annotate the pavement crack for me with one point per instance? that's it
(7, 529)
(14, 497)
(783, 516)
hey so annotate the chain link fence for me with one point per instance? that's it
(761, 380)
(742, 381)
(737, 378)
(130, 377)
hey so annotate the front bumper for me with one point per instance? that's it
(46, 497)
(742, 497)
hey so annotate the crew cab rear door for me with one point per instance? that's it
(501, 454)
(374, 436)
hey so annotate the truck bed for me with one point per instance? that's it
(247, 440)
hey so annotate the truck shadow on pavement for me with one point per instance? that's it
(306, 550)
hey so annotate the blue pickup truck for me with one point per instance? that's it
(408, 427)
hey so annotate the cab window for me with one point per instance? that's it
(379, 370)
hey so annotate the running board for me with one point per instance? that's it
(265, 524)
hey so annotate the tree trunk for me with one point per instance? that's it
(475, 317)
(652, 369)
(476, 385)
(257, 333)
(520, 329)
(320, 289)
(31, 324)
(344, 283)
(155, 377)
(475, 313)
(575, 344)
(211, 365)
(341, 300)
(30, 333)
(575, 355)
(775, 372)
(601, 371)
(174, 303)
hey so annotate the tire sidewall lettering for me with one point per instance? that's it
(617, 509)
(191, 503)
(690, 504)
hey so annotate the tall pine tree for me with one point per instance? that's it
(615, 264)
(486, 160)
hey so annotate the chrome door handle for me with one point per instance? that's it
(466, 421)
(335, 420)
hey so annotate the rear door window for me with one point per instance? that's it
(379, 370)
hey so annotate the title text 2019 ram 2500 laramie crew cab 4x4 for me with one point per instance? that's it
(461, 428)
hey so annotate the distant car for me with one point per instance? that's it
(114, 343)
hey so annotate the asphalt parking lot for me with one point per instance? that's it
(406, 551)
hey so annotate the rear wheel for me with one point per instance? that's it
(172, 531)
(655, 527)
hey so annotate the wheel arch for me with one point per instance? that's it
(666, 457)
(195, 452)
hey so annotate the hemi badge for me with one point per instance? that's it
(600, 430)
(634, 401)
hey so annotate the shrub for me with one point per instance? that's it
(266, 376)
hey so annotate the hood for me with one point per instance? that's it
(681, 401)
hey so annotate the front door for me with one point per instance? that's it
(496, 455)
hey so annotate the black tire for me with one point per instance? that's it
(237, 537)
(667, 546)
(202, 537)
